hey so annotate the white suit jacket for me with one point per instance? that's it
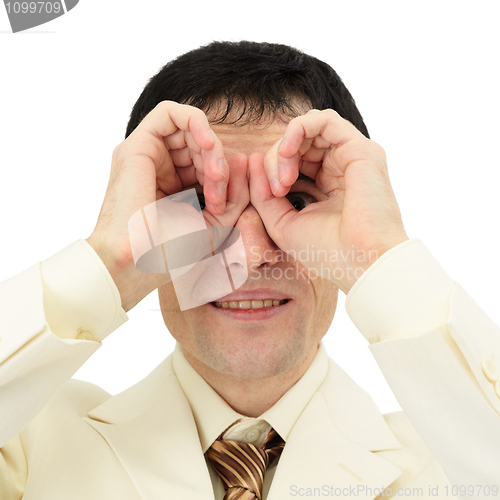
(68, 439)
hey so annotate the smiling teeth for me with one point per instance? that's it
(249, 304)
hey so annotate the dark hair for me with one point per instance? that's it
(257, 79)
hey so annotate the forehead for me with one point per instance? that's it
(250, 138)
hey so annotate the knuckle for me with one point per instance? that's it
(165, 105)
(297, 121)
(117, 151)
(198, 114)
(269, 155)
(192, 115)
(378, 148)
(196, 111)
(331, 113)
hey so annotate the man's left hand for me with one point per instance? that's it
(339, 237)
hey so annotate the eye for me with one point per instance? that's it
(300, 200)
(201, 199)
(193, 199)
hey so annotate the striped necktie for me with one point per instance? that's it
(242, 466)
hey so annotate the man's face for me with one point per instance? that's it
(250, 344)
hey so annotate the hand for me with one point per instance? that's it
(171, 149)
(358, 222)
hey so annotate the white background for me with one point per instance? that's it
(425, 77)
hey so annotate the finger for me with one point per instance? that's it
(168, 117)
(238, 193)
(181, 139)
(188, 176)
(275, 212)
(145, 147)
(326, 124)
(314, 154)
(199, 177)
(197, 162)
(320, 143)
(331, 136)
(305, 146)
(182, 157)
(169, 181)
(215, 186)
(216, 192)
(280, 175)
(216, 170)
(185, 153)
(310, 168)
(332, 174)
(328, 179)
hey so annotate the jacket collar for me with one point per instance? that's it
(332, 443)
(331, 447)
(151, 429)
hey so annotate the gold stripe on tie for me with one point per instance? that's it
(242, 466)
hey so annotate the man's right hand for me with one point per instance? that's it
(171, 149)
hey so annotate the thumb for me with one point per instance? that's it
(276, 213)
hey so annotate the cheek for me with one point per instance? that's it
(326, 294)
(170, 310)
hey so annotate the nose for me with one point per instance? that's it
(258, 249)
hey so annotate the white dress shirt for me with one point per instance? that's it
(213, 415)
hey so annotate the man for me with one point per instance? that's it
(250, 381)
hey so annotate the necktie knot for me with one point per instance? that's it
(242, 466)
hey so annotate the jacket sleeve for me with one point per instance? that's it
(53, 317)
(440, 354)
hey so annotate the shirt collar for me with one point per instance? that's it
(213, 415)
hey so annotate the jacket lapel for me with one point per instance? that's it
(333, 445)
(151, 429)
(330, 449)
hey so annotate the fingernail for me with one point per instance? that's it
(281, 172)
(220, 166)
(280, 147)
(275, 185)
(218, 210)
(221, 191)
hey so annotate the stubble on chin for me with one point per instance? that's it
(250, 356)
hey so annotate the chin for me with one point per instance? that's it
(255, 358)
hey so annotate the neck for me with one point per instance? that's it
(252, 397)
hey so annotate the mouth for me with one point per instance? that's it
(251, 310)
(250, 304)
